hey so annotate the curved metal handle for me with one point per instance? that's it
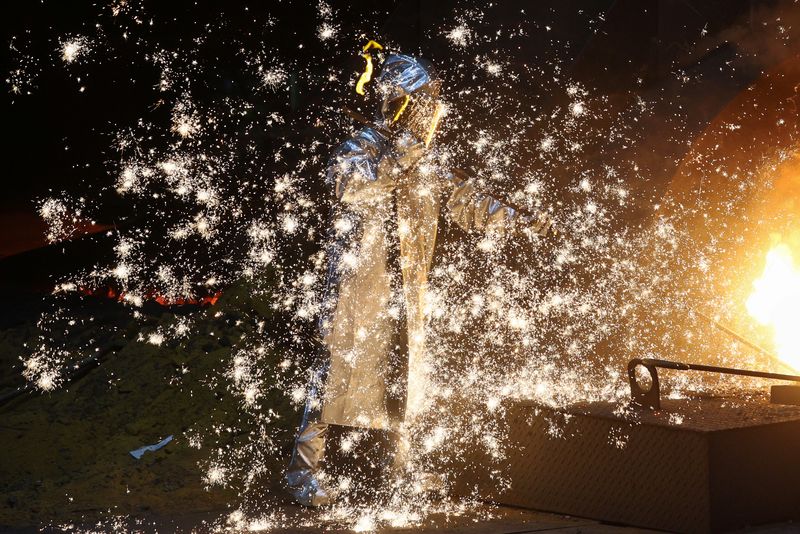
(645, 397)
(651, 397)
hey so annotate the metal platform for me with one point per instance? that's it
(696, 465)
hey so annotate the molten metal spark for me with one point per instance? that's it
(72, 49)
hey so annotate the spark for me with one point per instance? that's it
(274, 77)
(290, 224)
(327, 31)
(47, 381)
(56, 214)
(216, 476)
(74, 48)
(128, 180)
(365, 523)
(121, 271)
(495, 69)
(184, 126)
(460, 35)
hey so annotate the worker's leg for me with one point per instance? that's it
(304, 477)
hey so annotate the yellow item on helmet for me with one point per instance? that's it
(366, 76)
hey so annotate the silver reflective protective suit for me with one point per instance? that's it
(388, 195)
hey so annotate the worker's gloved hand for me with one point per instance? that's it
(399, 158)
(534, 226)
(406, 151)
(410, 155)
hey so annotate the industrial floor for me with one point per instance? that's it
(65, 458)
(488, 520)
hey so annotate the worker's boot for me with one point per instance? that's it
(305, 479)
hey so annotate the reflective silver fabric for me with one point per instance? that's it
(472, 210)
(304, 477)
(404, 75)
(385, 198)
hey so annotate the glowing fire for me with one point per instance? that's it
(775, 302)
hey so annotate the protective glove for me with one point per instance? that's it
(409, 154)
(536, 225)
(405, 153)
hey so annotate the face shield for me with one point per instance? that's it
(418, 114)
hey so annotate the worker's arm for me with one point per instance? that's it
(367, 168)
(473, 209)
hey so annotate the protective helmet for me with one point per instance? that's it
(410, 90)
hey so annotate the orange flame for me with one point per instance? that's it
(775, 302)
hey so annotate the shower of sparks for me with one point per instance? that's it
(226, 194)
(328, 29)
(22, 77)
(494, 69)
(62, 216)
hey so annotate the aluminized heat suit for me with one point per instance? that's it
(388, 193)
